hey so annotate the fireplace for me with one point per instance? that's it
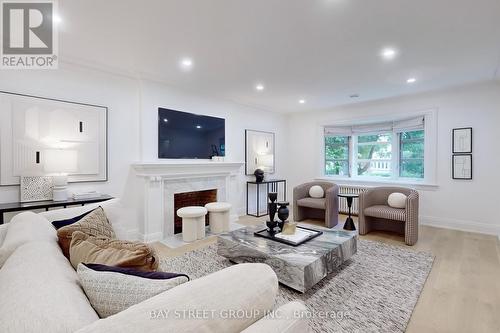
(195, 198)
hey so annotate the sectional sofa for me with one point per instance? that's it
(40, 291)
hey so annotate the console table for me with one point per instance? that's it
(272, 185)
(21, 206)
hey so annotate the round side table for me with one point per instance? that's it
(349, 223)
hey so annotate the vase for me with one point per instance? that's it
(283, 211)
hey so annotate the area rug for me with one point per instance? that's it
(375, 291)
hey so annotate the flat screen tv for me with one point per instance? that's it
(188, 135)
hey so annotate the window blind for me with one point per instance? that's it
(411, 124)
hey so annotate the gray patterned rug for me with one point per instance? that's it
(375, 291)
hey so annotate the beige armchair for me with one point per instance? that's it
(326, 208)
(376, 214)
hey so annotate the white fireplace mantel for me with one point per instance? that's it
(162, 180)
(180, 170)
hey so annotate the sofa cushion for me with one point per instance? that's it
(316, 191)
(111, 290)
(94, 224)
(397, 200)
(317, 203)
(386, 212)
(41, 293)
(112, 252)
(246, 288)
(120, 216)
(62, 223)
(23, 228)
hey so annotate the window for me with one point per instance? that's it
(374, 155)
(411, 154)
(337, 155)
(392, 150)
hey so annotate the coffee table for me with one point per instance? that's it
(298, 267)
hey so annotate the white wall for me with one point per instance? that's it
(132, 121)
(238, 118)
(75, 84)
(467, 205)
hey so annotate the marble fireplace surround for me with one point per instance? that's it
(162, 180)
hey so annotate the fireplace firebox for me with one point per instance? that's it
(196, 198)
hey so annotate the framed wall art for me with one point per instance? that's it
(462, 140)
(31, 127)
(259, 151)
(462, 166)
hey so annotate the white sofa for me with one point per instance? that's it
(40, 291)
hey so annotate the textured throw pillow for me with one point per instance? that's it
(24, 228)
(316, 191)
(111, 252)
(111, 289)
(62, 223)
(397, 200)
(94, 224)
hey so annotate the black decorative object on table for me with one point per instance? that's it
(272, 207)
(349, 222)
(283, 213)
(259, 175)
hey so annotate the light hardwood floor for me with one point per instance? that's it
(462, 292)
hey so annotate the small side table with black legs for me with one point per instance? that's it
(349, 223)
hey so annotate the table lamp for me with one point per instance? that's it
(59, 163)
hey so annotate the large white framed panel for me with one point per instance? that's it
(31, 125)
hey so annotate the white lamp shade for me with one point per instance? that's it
(60, 161)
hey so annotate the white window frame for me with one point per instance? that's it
(430, 152)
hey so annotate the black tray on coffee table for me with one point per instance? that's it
(265, 233)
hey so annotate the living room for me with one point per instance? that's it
(349, 178)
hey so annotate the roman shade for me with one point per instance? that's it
(397, 126)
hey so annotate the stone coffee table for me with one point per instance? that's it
(298, 267)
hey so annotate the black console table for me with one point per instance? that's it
(272, 185)
(21, 206)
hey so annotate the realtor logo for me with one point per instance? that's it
(28, 35)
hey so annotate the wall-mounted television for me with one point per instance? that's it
(188, 135)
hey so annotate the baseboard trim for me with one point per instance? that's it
(462, 225)
(153, 237)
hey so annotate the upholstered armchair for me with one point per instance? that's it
(376, 214)
(326, 208)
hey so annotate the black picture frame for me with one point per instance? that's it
(454, 157)
(106, 136)
(453, 139)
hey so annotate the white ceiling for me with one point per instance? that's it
(319, 50)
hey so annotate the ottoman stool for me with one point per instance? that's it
(193, 222)
(219, 216)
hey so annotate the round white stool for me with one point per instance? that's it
(193, 222)
(219, 216)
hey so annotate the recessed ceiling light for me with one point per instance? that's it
(259, 87)
(186, 63)
(411, 80)
(388, 53)
(302, 101)
(198, 126)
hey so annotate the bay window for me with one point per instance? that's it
(391, 150)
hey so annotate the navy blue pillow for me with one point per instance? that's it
(134, 272)
(62, 223)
